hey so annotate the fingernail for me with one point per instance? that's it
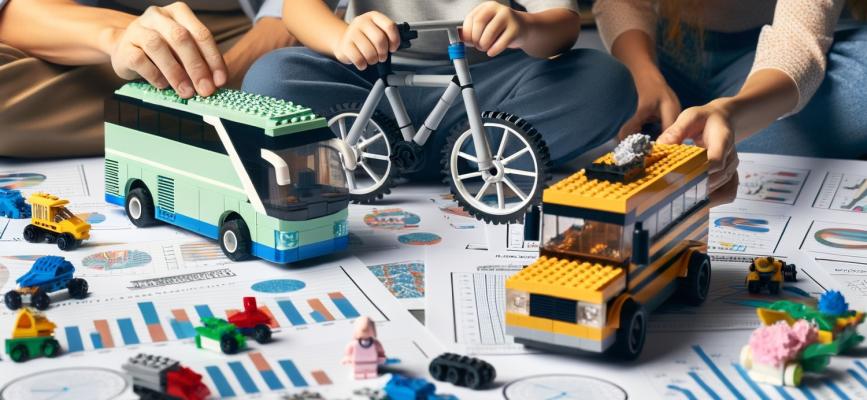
(206, 87)
(186, 89)
(220, 77)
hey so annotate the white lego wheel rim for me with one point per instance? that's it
(501, 180)
(135, 208)
(230, 241)
(365, 141)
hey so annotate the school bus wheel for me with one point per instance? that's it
(632, 331)
(695, 285)
(235, 239)
(140, 207)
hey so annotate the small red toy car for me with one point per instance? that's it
(252, 322)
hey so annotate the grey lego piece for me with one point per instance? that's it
(633, 148)
(149, 371)
(531, 334)
(558, 342)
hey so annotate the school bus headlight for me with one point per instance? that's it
(286, 240)
(517, 301)
(341, 228)
(591, 314)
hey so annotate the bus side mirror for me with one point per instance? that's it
(532, 224)
(347, 156)
(640, 245)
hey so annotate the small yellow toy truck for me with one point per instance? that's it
(617, 240)
(33, 336)
(52, 221)
(769, 272)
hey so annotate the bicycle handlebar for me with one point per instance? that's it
(407, 35)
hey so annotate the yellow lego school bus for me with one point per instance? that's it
(613, 248)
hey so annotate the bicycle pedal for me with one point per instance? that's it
(408, 157)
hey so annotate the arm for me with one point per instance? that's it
(266, 34)
(493, 27)
(165, 45)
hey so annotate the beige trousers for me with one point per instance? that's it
(50, 110)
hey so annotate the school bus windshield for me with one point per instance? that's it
(581, 237)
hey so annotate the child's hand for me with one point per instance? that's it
(492, 27)
(368, 39)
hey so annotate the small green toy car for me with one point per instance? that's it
(219, 335)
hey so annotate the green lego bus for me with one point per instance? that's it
(262, 176)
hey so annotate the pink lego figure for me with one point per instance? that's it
(365, 353)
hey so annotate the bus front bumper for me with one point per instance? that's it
(558, 336)
(302, 252)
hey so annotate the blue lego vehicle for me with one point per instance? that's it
(12, 204)
(401, 387)
(47, 275)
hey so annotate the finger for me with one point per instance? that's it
(480, 23)
(186, 50)
(729, 170)
(204, 40)
(367, 49)
(158, 51)
(687, 124)
(491, 33)
(140, 65)
(378, 39)
(717, 137)
(726, 193)
(466, 30)
(355, 57)
(503, 41)
(389, 28)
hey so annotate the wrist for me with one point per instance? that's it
(108, 38)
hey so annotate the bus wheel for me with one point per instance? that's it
(235, 240)
(695, 286)
(631, 334)
(140, 207)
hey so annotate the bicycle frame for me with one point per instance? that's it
(460, 83)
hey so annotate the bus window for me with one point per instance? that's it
(112, 111)
(677, 207)
(664, 216)
(128, 115)
(702, 189)
(148, 120)
(211, 140)
(581, 237)
(690, 198)
(650, 225)
(170, 126)
(191, 131)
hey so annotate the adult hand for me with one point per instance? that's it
(493, 27)
(368, 39)
(169, 46)
(709, 126)
(656, 103)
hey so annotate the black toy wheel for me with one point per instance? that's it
(50, 348)
(513, 184)
(19, 353)
(40, 300)
(437, 370)
(77, 288)
(262, 333)
(376, 171)
(34, 234)
(139, 206)
(790, 273)
(455, 376)
(66, 242)
(631, 334)
(235, 240)
(472, 379)
(228, 344)
(754, 287)
(774, 287)
(695, 286)
(12, 300)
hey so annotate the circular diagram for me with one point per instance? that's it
(842, 238)
(392, 218)
(116, 259)
(278, 286)
(419, 239)
(95, 218)
(20, 180)
(562, 386)
(744, 224)
(67, 383)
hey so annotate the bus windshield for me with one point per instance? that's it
(315, 175)
(582, 237)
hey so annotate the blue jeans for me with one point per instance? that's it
(576, 101)
(834, 122)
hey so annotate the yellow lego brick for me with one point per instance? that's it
(582, 331)
(526, 321)
(666, 165)
(568, 279)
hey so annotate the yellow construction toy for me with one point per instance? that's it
(617, 239)
(769, 272)
(33, 336)
(52, 221)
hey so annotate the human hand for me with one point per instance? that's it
(493, 27)
(368, 39)
(169, 46)
(656, 103)
(709, 126)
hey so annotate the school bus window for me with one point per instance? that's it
(702, 189)
(664, 216)
(689, 197)
(581, 237)
(650, 225)
(677, 207)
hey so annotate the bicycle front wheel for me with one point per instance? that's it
(503, 193)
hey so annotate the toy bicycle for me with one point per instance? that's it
(497, 185)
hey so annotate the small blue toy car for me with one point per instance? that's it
(47, 275)
(401, 387)
(12, 204)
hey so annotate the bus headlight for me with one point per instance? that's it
(341, 228)
(517, 301)
(590, 314)
(286, 240)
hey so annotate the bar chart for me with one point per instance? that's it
(150, 322)
(271, 375)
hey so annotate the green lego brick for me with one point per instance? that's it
(275, 116)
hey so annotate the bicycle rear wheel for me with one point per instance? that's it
(520, 172)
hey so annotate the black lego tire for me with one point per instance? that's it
(40, 300)
(392, 135)
(455, 376)
(694, 288)
(243, 246)
(437, 370)
(34, 234)
(66, 242)
(540, 151)
(754, 287)
(228, 344)
(77, 288)
(146, 207)
(774, 287)
(12, 299)
(632, 333)
(262, 333)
